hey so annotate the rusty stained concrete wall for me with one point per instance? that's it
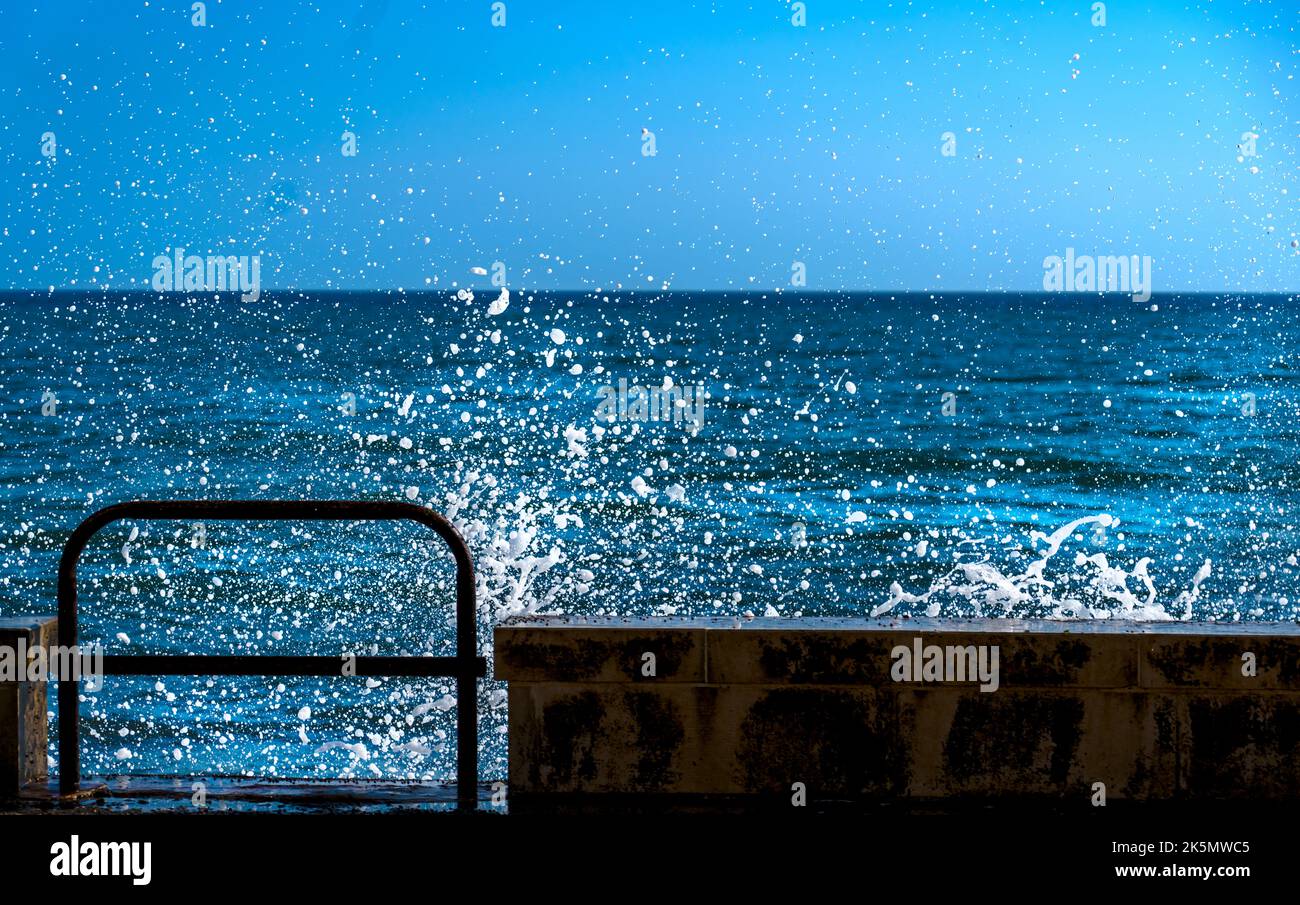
(1156, 711)
(24, 710)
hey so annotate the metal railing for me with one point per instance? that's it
(466, 666)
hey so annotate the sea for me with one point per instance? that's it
(738, 454)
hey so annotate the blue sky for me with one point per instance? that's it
(775, 143)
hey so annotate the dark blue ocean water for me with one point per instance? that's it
(1096, 458)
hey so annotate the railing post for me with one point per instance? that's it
(466, 685)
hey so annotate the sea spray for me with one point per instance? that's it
(1094, 590)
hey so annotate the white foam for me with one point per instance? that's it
(983, 587)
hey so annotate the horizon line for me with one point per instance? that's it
(600, 291)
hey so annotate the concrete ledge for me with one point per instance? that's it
(727, 708)
(160, 794)
(24, 708)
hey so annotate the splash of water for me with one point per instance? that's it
(1095, 589)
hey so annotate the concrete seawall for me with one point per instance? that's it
(667, 708)
(23, 705)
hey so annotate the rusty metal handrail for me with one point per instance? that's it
(466, 666)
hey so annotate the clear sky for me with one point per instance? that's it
(775, 143)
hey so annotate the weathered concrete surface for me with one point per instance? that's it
(23, 708)
(748, 708)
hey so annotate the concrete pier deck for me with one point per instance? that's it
(156, 794)
(614, 715)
